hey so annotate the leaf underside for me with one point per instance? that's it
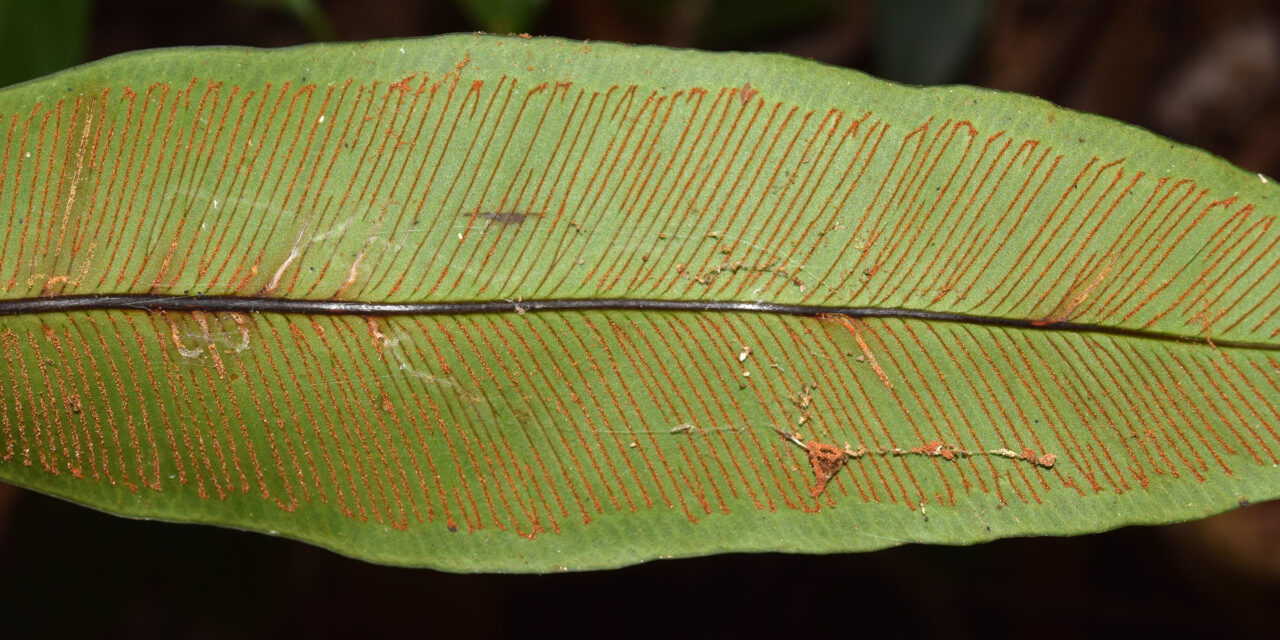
(1099, 343)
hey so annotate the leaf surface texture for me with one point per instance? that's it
(822, 312)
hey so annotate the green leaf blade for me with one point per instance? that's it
(926, 315)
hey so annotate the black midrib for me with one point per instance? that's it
(249, 304)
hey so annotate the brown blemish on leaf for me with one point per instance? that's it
(402, 86)
(48, 291)
(1076, 295)
(351, 275)
(938, 449)
(1047, 460)
(875, 366)
(242, 323)
(852, 326)
(804, 401)
(709, 275)
(827, 460)
(175, 335)
(794, 438)
(746, 93)
(505, 217)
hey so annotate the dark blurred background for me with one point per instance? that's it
(1204, 72)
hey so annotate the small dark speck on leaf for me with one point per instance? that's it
(1244, 502)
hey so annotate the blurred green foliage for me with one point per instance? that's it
(38, 37)
(737, 23)
(927, 41)
(306, 12)
(914, 41)
(503, 16)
